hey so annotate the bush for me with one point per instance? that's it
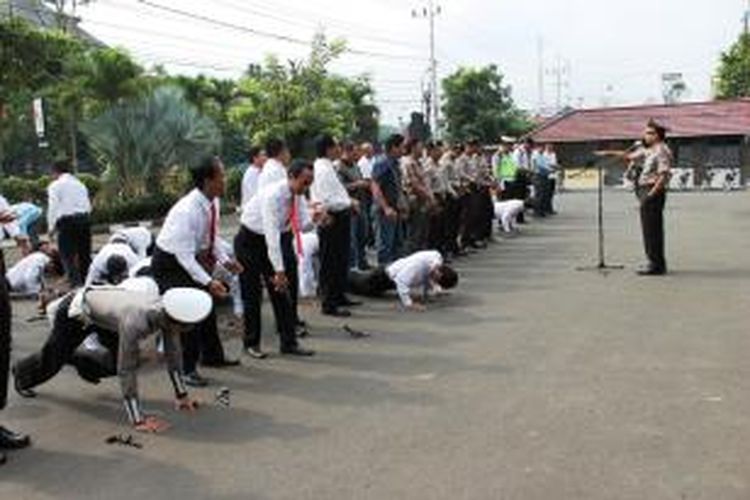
(18, 189)
(92, 183)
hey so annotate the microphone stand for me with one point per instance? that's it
(601, 266)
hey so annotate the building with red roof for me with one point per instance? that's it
(703, 135)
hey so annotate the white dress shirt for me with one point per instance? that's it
(186, 233)
(327, 188)
(273, 172)
(268, 214)
(413, 272)
(66, 196)
(98, 268)
(507, 212)
(139, 239)
(250, 183)
(11, 229)
(365, 166)
(26, 276)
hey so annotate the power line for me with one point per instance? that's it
(261, 33)
(307, 24)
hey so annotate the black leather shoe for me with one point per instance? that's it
(255, 352)
(222, 363)
(298, 351)
(10, 440)
(651, 272)
(24, 393)
(336, 312)
(195, 379)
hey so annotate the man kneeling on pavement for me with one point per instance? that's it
(133, 312)
(420, 272)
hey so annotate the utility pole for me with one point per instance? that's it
(429, 12)
(540, 74)
(561, 73)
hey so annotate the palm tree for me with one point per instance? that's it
(137, 141)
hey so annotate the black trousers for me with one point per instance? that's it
(373, 283)
(452, 223)
(519, 190)
(289, 254)
(541, 186)
(252, 252)
(334, 258)
(60, 349)
(652, 223)
(487, 213)
(201, 343)
(74, 240)
(5, 335)
(465, 227)
(438, 226)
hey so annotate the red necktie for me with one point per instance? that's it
(212, 223)
(294, 222)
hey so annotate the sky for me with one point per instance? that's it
(596, 52)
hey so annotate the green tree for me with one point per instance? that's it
(733, 79)
(301, 99)
(94, 80)
(476, 104)
(138, 140)
(31, 60)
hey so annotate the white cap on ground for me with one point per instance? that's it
(187, 305)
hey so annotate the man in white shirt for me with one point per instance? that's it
(250, 178)
(68, 211)
(416, 274)
(259, 248)
(26, 277)
(365, 164)
(274, 169)
(506, 212)
(335, 237)
(187, 249)
(8, 439)
(367, 160)
(101, 270)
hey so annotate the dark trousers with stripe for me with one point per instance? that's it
(201, 343)
(652, 223)
(252, 252)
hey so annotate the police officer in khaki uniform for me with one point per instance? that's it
(652, 162)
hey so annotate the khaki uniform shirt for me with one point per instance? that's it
(656, 161)
(448, 169)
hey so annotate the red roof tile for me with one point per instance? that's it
(717, 118)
